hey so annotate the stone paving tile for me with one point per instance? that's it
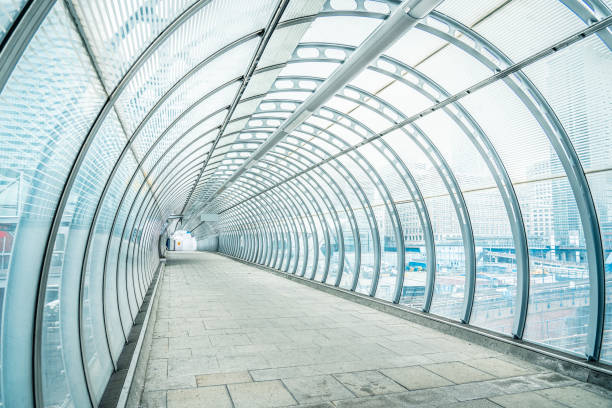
(526, 399)
(204, 351)
(415, 378)
(210, 397)
(447, 356)
(363, 351)
(405, 347)
(161, 383)
(575, 397)
(347, 366)
(316, 405)
(367, 383)
(260, 394)
(284, 372)
(430, 398)
(229, 340)
(285, 358)
(515, 385)
(604, 393)
(475, 390)
(206, 380)
(549, 380)
(254, 348)
(498, 367)
(153, 399)
(211, 324)
(257, 323)
(317, 389)
(156, 368)
(480, 403)
(227, 333)
(176, 353)
(242, 362)
(189, 342)
(458, 372)
(267, 336)
(403, 361)
(191, 366)
(368, 330)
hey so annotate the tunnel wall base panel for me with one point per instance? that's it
(126, 384)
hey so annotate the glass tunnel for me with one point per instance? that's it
(453, 157)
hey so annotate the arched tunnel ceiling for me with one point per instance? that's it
(478, 142)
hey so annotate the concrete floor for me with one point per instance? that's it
(231, 335)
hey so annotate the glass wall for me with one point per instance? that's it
(442, 176)
(500, 193)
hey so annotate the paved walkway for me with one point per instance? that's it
(231, 335)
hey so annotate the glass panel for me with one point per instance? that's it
(576, 83)
(450, 255)
(489, 220)
(326, 224)
(297, 9)
(270, 228)
(413, 291)
(495, 262)
(317, 269)
(348, 268)
(559, 287)
(468, 13)
(259, 84)
(337, 207)
(371, 81)
(601, 189)
(523, 27)
(308, 69)
(405, 99)
(127, 238)
(366, 238)
(188, 46)
(298, 95)
(388, 175)
(340, 30)
(9, 10)
(415, 159)
(226, 67)
(415, 46)
(82, 203)
(303, 233)
(454, 69)
(466, 163)
(95, 265)
(308, 222)
(366, 274)
(450, 258)
(113, 255)
(282, 42)
(286, 221)
(294, 229)
(151, 132)
(510, 126)
(388, 265)
(285, 236)
(46, 108)
(119, 32)
(298, 245)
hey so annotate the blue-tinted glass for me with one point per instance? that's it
(47, 106)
